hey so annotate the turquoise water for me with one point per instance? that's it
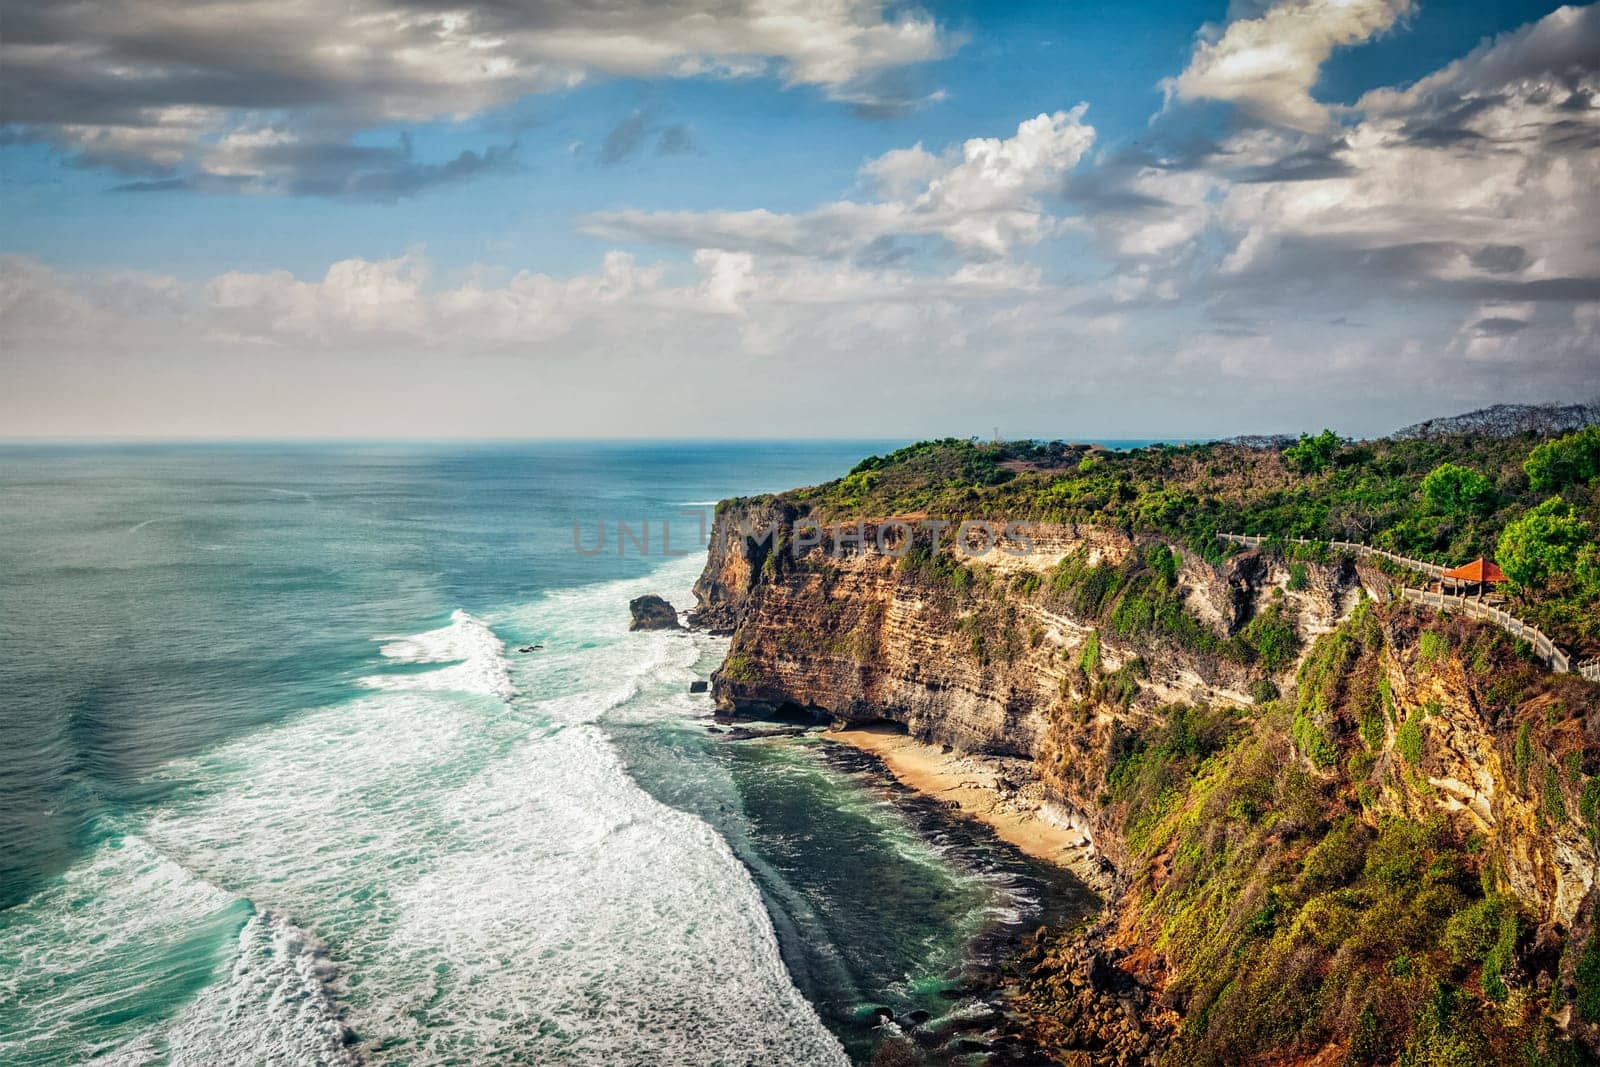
(276, 786)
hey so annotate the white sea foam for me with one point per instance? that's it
(489, 882)
(476, 657)
(78, 951)
(275, 1007)
(100, 944)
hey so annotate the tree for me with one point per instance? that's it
(1311, 455)
(1570, 460)
(1453, 490)
(1545, 542)
(1589, 568)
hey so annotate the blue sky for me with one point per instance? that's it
(1084, 256)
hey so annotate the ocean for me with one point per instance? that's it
(277, 785)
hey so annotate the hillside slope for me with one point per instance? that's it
(1344, 829)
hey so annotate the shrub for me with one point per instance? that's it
(1486, 933)
(1312, 741)
(1273, 639)
(1450, 489)
(1586, 976)
(1337, 858)
(1501, 953)
(1299, 577)
(1089, 658)
(1164, 562)
(1568, 460)
(1366, 1040)
(1122, 684)
(1312, 455)
(1522, 753)
(1589, 802)
(1544, 543)
(1410, 741)
(1264, 690)
(1471, 933)
(1553, 803)
(1432, 646)
(1027, 584)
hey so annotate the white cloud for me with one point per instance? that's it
(1559, 47)
(1475, 182)
(1267, 65)
(143, 89)
(1435, 248)
(44, 309)
(983, 199)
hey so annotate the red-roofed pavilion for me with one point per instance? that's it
(1480, 572)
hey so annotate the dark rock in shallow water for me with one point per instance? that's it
(745, 733)
(699, 685)
(650, 612)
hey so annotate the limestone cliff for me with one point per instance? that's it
(1079, 648)
(983, 655)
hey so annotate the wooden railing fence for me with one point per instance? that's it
(1542, 645)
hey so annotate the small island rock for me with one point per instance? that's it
(650, 612)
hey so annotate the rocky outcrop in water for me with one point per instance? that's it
(651, 612)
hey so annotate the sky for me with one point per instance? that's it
(792, 218)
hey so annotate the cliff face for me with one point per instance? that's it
(853, 636)
(1098, 656)
(1513, 775)
(985, 657)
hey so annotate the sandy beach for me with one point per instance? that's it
(993, 790)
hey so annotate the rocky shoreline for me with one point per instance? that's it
(988, 1020)
(1001, 792)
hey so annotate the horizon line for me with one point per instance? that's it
(619, 439)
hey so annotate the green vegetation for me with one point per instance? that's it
(1409, 740)
(1586, 975)
(1299, 577)
(1292, 917)
(1089, 658)
(1522, 753)
(1272, 639)
(1566, 461)
(1452, 490)
(739, 668)
(1312, 742)
(1139, 597)
(1552, 803)
(1313, 455)
(1122, 684)
(1545, 543)
(1441, 499)
(938, 568)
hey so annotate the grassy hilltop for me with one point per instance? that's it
(1530, 501)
